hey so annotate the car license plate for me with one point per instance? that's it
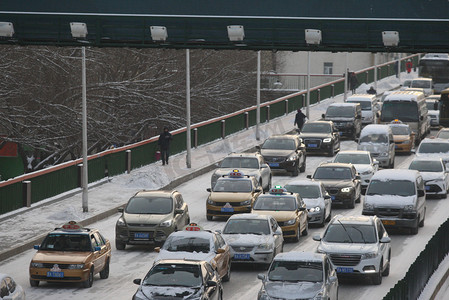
(313, 145)
(273, 164)
(55, 274)
(332, 197)
(396, 147)
(227, 209)
(427, 187)
(141, 235)
(388, 222)
(241, 256)
(344, 270)
(340, 133)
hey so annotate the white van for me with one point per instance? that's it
(378, 140)
(424, 83)
(398, 198)
(370, 107)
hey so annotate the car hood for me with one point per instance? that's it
(246, 239)
(144, 218)
(371, 147)
(339, 183)
(360, 168)
(390, 200)
(401, 138)
(169, 292)
(340, 119)
(279, 216)
(426, 176)
(347, 248)
(230, 197)
(276, 152)
(62, 257)
(291, 290)
(434, 112)
(316, 135)
(314, 202)
(164, 254)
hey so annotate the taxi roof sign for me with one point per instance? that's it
(72, 226)
(277, 190)
(192, 227)
(236, 174)
(396, 121)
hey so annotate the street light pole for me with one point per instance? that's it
(258, 98)
(84, 120)
(375, 71)
(308, 85)
(346, 78)
(188, 135)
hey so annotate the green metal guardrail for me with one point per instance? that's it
(58, 179)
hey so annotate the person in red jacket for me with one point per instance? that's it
(409, 65)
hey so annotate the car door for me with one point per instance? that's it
(212, 292)
(300, 151)
(302, 213)
(276, 233)
(332, 285)
(327, 200)
(356, 180)
(180, 219)
(265, 172)
(103, 257)
(383, 247)
(98, 259)
(336, 137)
(219, 257)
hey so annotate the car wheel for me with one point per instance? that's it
(324, 219)
(298, 234)
(34, 283)
(296, 170)
(105, 272)
(90, 280)
(282, 248)
(329, 217)
(391, 166)
(269, 183)
(377, 279)
(306, 230)
(227, 277)
(303, 167)
(386, 272)
(414, 230)
(120, 245)
(209, 218)
(358, 198)
(444, 196)
(421, 224)
(352, 203)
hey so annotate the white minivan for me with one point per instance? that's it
(370, 107)
(424, 83)
(378, 140)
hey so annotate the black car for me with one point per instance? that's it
(347, 118)
(180, 279)
(341, 181)
(320, 137)
(285, 152)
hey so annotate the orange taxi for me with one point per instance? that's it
(403, 136)
(71, 254)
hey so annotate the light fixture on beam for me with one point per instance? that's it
(313, 36)
(79, 30)
(159, 33)
(390, 38)
(236, 33)
(6, 29)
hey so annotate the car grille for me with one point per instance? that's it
(345, 259)
(333, 191)
(312, 141)
(51, 265)
(433, 188)
(242, 248)
(388, 212)
(373, 154)
(274, 159)
(224, 203)
(141, 225)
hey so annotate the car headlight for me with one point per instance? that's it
(320, 296)
(369, 255)
(247, 202)
(367, 172)
(315, 209)
(346, 189)
(409, 208)
(76, 266)
(319, 250)
(121, 222)
(263, 295)
(327, 140)
(166, 223)
(383, 154)
(265, 246)
(290, 222)
(36, 265)
(292, 158)
(300, 140)
(368, 206)
(209, 201)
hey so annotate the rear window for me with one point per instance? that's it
(66, 242)
(340, 111)
(366, 105)
(434, 148)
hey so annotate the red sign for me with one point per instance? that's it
(72, 225)
(8, 149)
(192, 227)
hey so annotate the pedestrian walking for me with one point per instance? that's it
(353, 82)
(299, 119)
(164, 144)
(409, 65)
(371, 91)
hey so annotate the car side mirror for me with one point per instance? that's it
(301, 208)
(332, 279)
(137, 281)
(385, 239)
(323, 116)
(220, 251)
(261, 276)
(36, 247)
(316, 238)
(120, 209)
(375, 162)
(157, 249)
(421, 193)
(97, 248)
(264, 166)
(209, 190)
(413, 151)
(309, 176)
(179, 211)
(210, 283)
(257, 190)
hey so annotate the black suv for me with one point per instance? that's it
(341, 181)
(347, 118)
(285, 152)
(320, 137)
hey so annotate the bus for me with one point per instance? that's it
(435, 66)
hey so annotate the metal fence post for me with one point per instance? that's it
(332, 90)
(366, 77)
(223, 127)
(26, 193)
(303, 100)
(318, 92)
(286, 106)
(246, 119)
(195, 137)
(268, 113)
(128, 161)
(80, 172)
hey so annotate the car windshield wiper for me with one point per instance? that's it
(361, 234)
(346, 231)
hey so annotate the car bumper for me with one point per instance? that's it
(289, 231)
(285, 165)
(403, 147)
(364, 267)
(316, 217)
(340, 197)
(41, 274)
(141, 235)
(323, 148)
(383, 161)
(435, 188)
(254, 256)
(395, 222)
(220, 211)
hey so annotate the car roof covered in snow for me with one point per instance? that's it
(395, 174)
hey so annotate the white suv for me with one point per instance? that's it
(357, 246)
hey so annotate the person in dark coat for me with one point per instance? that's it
(299, 119)
(353, 82)
(371, 91)
(164, 144)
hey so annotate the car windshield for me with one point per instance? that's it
(350, 233)
(174, 275)
(305, 191)
(432, 105)
(407, 83)
(353, 158)
(279, 144)
(233, 186)
(276, 203)
(374, 138)
(149, 205)
(332, 173)
(423, 84)
(444, 134)
(66, 242)
(400, 130)
(433, 148)
(316, 128)
(366, 105)
(187, 244)
(426, 166)
(294, 271)
(247, 226)
(340, 111)
(240, 162)
(402, 188)
(406, 111)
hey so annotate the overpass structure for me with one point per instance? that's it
(345, 25)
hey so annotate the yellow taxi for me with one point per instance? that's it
(403, 136)
(71, 254)
(288, 209)
(195, 243)
(233, 193)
